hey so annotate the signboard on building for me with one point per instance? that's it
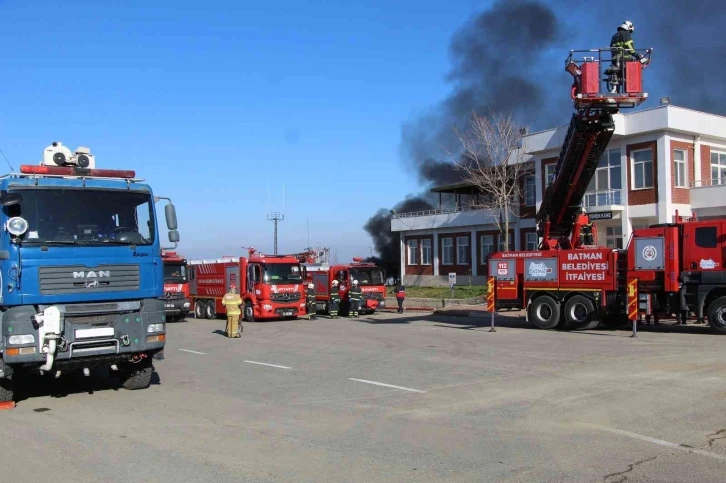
(604, 215)
(452, 279)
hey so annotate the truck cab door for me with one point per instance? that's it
(703, 246)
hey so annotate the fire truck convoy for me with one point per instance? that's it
(271, 286)
(671, 270)
(370, 279)
(176, 286)
(81, 271)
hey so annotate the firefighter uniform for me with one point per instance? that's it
(354, 298)
(232, 302)
(334, 300)
(400, 292)
(312, 305)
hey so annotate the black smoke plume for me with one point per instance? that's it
(510, 59)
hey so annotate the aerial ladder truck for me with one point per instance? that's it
(570, 281)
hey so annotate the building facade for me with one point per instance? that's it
(660, 161)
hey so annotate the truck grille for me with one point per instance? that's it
(285, 297)
(82, 279)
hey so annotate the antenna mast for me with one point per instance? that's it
(275, 217)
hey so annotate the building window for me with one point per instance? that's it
(549, 173)
(501, 243)
(426, 251)
(447, 251)
(487, 247)
(718, 168)
(706, 237)
(643, 169)
(614, 237)
(530, 193)
(413, 252)
(604, 189)
(530, 239)
(680, 173)
(462, 250)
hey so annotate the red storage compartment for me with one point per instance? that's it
(590, 78)
(633, 77)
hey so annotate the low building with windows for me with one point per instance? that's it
(660, 161)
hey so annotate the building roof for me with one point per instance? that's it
(462, 187)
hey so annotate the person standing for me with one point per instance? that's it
(334, 300)
(354, 298)
(232, 302)
(312, 304)
(400, 292)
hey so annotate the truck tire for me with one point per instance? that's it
(717, 315)
(545, 312)
(209, 311)
(580, 313)
(7, 390)
(137, 376)
(198, 310)
(249, 312)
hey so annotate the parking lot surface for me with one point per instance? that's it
(388, 397)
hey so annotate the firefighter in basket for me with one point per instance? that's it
(354, 298)
(312, 305)
(334, 300)
(232, 302)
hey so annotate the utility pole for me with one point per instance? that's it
(275, 218)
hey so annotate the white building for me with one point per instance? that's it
(660, 161)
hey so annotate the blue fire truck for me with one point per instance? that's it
(80, 271)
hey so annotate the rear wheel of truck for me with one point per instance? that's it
(137, 376)
(7, 390)
(580, 313)
(717, 315)
(198, 310)
(249, 312)
(210, 311)
(545, 312)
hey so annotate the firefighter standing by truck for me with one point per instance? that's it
(354, 298)
(312, 305)
(232, 302)
(334, 300)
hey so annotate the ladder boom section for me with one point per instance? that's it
(587, 138)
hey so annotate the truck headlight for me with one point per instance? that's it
(21, 339)
(186, 305)
(17, 225)
(155, 328)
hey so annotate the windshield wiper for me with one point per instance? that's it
(59, 242)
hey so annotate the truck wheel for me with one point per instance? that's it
(580, 313)
(545, 312)
(249, 312)
(7, 387)
(717, 315)
(210, 311)
(137, 376)
(198, 310)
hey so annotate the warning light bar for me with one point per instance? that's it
(71, 171)
(357, 260)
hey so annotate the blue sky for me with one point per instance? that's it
(212, 101)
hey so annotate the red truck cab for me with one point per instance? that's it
(371, 280)
(176, 285)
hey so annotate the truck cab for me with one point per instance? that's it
(81, 271)
(176, 286)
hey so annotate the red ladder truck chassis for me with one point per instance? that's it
(371, 280)
(271, 286)
(176, 286)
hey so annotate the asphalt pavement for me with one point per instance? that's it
(387, 398)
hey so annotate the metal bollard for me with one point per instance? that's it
(492, 329)
(635, 328)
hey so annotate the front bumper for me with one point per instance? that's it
(92, 334)
(180, 306)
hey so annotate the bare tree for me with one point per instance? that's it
(494, 161)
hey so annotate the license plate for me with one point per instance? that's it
(287, 313)
(169, 306)
(95, 332)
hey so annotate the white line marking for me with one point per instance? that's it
(266, 364)
(661, 442)
(193, 352)
(386, 385)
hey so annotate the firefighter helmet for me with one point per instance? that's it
(311, 285)
(355, 282)
(335, 282)
(628, 25)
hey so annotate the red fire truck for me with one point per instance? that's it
(176, 285)
(668, 271)
(370, 279)
(270, 286)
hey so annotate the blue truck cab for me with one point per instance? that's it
(81, 272)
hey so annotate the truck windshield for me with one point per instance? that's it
(63, 216)
(175, 272)
(367, 276)
(283, 273)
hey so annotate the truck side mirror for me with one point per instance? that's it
(173, 236)
(170, 213)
